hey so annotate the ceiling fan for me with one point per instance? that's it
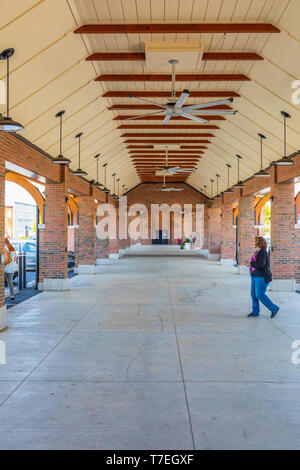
(164, 188)
(169, 171)
(174, 108)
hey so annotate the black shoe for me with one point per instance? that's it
(253, 315)
(275, 313)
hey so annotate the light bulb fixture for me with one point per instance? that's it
(211, 188)
(105, 189)
(7, 124)
(228, 190)
(60, 160)
(261, 173)
(79, 171)
(96, 184)
(114, 192)
(239, 184)
(285, 160)
(218, 196)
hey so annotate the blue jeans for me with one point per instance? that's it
(258, 294)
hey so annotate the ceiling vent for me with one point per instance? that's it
(188, 53)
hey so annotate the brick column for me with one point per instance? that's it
(85, 243)
(53, 236)
(228, 233)
(2, 246)
(214, 241)
(283, 246)
(206, 227)
(246, 230)
(114, 243)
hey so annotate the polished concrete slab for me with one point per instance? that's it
(155, 352)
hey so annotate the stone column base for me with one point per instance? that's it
(214, 256)
(2, 317)
(283, 285)
(122, 251)
(113, 256)
(86, 269)
(54, 284)
(227, 262)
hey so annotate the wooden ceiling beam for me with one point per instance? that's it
(166, 94)
(166, 142)
(177, 28)
(141, 56)
(152, 106)
(178, 127)
(165, 134)
(151, 152)
(210, 117)
(159, 77)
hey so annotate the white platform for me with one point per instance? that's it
(54, 284)
(86, 269)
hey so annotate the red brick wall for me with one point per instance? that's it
(283, 256)
(85, 240)
(71, 239)
(54, 237)
(149, 193)
(101, 248)
(228, 241)
(246, 228)
(214, 241)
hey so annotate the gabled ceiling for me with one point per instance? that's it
(50, 72)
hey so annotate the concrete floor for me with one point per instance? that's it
(151, 353)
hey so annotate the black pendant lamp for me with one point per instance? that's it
(205, 188)
(228, 190)
(261, 173)
(239, 184)
(123, 186)
(211, 188)
(105, 189)
(60, 160)
(79, 171)
(218, 196)
(7, 124)
(118, 194)
(285, 161)
(114, 192)
(96, 184)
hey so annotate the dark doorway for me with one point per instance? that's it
(162, 238)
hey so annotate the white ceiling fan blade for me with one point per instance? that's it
(214, 111)
(182, 99)
(144, 115)
(167, 119)
(185, 170)
(194, 118)
(208, 105)
(147, 101)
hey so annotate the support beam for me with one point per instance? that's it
(141, 56)
(166, 94)
(165, 134)
(177, 28)
(181, 77)
(124, 117)
(179, 152)
(166, 142)
(179, 127)
(138, 107)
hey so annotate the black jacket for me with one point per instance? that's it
(262, 265)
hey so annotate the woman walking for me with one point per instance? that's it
(10, 267)
(261, 277)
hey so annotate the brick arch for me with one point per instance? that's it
(29, 187)
(259, 206)
(73, 208)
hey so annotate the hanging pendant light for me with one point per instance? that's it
(285, 161)
(218, 196)
(118, 194)
(79, 171)
(7, 124)
(261, 173)
(96, 184)
(60, 160)
(114, 192)
(123, 186)
(228, 190)
(239, 184)
(105, 189)
(211, 188)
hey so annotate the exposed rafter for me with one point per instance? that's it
(158, 77)
(166, 94)
(141, 56)
(159, 118)
(150, 106)
(166, 142)
(178, 127)
(165, 134)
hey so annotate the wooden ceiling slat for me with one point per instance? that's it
(166, 142)
(175, 118)
(152, 106)
(170, 126)
(186, 77)
(151, 152)
(141, 56)
(180, 28)
(166, 94)
(165, 134)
